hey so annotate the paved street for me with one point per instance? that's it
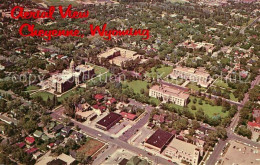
(130, 132)
(102, 156)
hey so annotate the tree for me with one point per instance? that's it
(45, 119)
(200, 116)
(195, 124)
(242, 130)
(66, 120)
(193, 107)
(200, 102)
(221, 132)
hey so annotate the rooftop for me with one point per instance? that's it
(109, 119)
(170, 90)
(180, 145)
(159, 139)
(66, 158)
(199, 71)
(123, 52)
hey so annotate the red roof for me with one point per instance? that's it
(102, 108)
(60, 56)
(128, 115)
(112, 100)
(257, 120)
(32, 150)
(253, 124)
(99, 96)
(29, 140)
(21, 144)
(95, 106)
(51, 145)
(159, 118)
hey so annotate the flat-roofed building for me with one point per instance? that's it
(158, 140)
(182, 151)
(119, 56)
(169, 93)
(200, 76)
(109, 121)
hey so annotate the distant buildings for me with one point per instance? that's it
(119, 56)
(109, 121)
(158, 140)
(169, 93)
(70, 77)
(200, 76)
(182, 151)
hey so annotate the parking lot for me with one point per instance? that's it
(118, 156)
(241, 154)
(141, 136)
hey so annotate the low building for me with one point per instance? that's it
(182, 151)
(128, 115)
(169, 93)
(158, 140)
(109, 121)
(29, 140)
(200, 76)
(62, 159)
(37, 134)
(66, 158)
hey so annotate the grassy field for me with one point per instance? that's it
(137, 85)
(44, 95)
(194, 86)
(71, 92)
(103, 78)
(160, 72)
(90, 147)
(32, 87)
(208, 109)
(221, 83)
(98, 69)
(173, 81)
(232, 97)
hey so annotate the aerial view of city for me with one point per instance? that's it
(130, 82)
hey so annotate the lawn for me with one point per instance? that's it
(208, 109)
(137, 85)
(103, 78)
(98, 69)
(160, 72)
(32, 87)
(221, 83)
(69, 93)
(44, 95)
(90, 147)
(174, 81)
(232, 97)
(194, 86)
